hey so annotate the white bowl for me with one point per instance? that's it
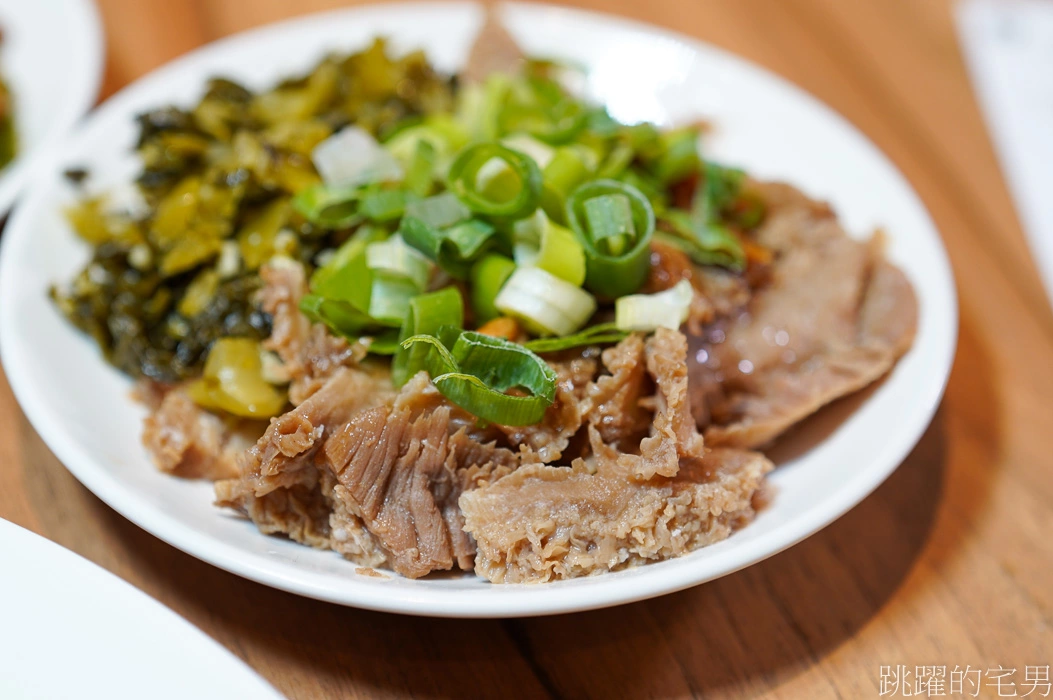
(81, 406)
(52, 59)
(114, 641)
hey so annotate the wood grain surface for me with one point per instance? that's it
(950, 562)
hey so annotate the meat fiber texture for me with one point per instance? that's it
(186, 441)
(833, 317)
(408, 481)
(390, 480)
(377, 481)
(612, 509)
(543, 523)
(405, 480)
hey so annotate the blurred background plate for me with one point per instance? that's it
(52, 59)
(82, 409)
(73, 630)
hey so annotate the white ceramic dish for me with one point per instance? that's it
(52, 59)
(73, 630)
(81, 407)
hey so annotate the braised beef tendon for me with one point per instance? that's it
(564, 418)
(307, 353)
(543, 523)
(403, 475)
(406, 484)
(379, 485)
(187, 441)
(279, 485)
(408, 480)
(474, 321)
(833, 318)
(613, 509)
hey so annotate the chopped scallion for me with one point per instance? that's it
(394, 257)
(439, 211)
(600, 334)
(543, 303)
(539, 242)
(486, 278)
(427, 314)
(383, 205)
(614, 223)
(516, 200)
(352, 157)
(475, 371)
(329, 206)
(648, 312)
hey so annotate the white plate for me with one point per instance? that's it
(52, 59)
(71, 629)
(81, 407)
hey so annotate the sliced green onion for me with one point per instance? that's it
(464, 181)
(345, 276)
(329, 206)
(679, 157)
(454, 248)
(543, 303)
(644, 138)
(353, 157)
(599, 122)
(478, 106)
(700, 232)
(564, 172)
(349, 298)
(427, 314)
(486, 278)
(384, 205)
(389, 299)
(648, 312)
(648, 185)
(609, 218)
(617, 251)
(476, 371)
(439, 211)
(462, 244)
(397, 259)
(421, 170)
(541, 243)
(705, 244)
(541, 108)
(441, 131)
(600, 334)
(341, 317)
(619, 158)
(542, 153)
(719, 188)
(383, 342)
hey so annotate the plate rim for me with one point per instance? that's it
(514, 599)
(20, 172)
(95, 579)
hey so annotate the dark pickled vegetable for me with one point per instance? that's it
(177, 270)
(134, 316)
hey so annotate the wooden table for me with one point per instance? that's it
(949, 563)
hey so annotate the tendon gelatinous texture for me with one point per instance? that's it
(544, 523)
(834, 316)
(464, 316)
